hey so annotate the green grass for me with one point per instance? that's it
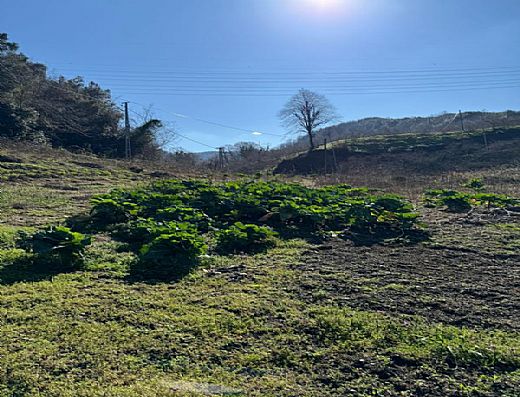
(96, 333)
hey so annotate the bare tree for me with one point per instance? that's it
(306, 112)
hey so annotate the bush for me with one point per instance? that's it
(172, 255)
(282, 206)
(476, 184)
(462, 202)
(107, 211)
(245, 238)
(57, 242)
(165, 220)
(457, 204)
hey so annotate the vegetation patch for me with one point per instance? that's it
(164, 221)
(283, 206)
(245, 238)
(56, 244)
(455, 201)
(171, 224)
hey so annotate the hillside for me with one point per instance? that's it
(411, 125)
(306, 318)
(391, 161)
(42, 185)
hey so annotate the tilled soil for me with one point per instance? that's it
(462, 283)
(443, 285)
(467, 275)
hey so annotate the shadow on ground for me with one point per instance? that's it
(28, 269)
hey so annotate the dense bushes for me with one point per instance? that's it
(172, 254)
(281, 206)
(68, 113)
(169, 225)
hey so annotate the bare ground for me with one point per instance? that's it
(468, 274)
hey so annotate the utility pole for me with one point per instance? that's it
(128, 151)
(325, 145)
(221, 158)
(461, 120)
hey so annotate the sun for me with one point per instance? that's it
(321, 10)
(324, 4)
(320, 7)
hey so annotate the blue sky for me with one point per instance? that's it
(236, 62)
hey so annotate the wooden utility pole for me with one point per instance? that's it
(335, 169)
(461, 120)
(128, 151)
(221, 158)
(325, 145)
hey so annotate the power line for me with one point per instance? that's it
(213, 83)
(195, 141)
(328, 92)
(289, 90)
(183, 116)
(261, 85)
(239, 75)
(197, 80)
(176, 133)
(205, 121)
(235, 72)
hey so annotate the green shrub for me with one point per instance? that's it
(476, 184)
(142, 231)
(57, 242)
(254, 207)
(244, 238)
(457, 204)
(106, 211)
(169, 256)
(462, 202)
(185, 214)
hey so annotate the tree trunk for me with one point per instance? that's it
(311, 141)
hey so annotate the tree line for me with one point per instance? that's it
(61, 112)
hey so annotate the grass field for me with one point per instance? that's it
(438, 318)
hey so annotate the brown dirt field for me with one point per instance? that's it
(471, 281)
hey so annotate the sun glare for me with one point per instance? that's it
(314, 7)
(324, 3)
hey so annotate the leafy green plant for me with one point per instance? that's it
(463, 202)
(106, 211)
(245, 238)
(56, 242)
(244, 214)
(458, 203)
(476, 184)
(169, 256)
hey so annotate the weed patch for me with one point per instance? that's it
(455, 201)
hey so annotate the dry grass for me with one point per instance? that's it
(503, 180)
